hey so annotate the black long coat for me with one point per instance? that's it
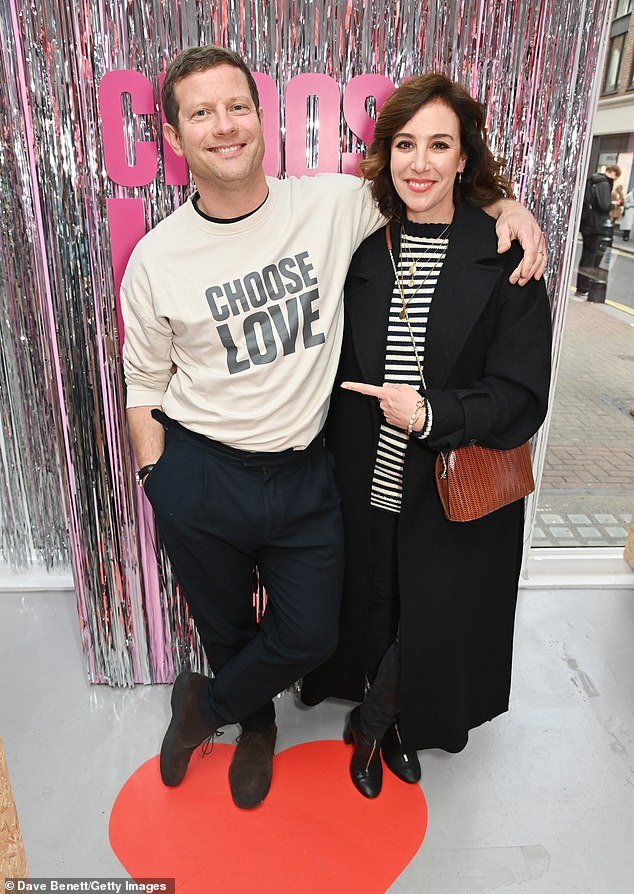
(487, 371)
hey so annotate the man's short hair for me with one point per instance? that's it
(615, 169)
(200, 59)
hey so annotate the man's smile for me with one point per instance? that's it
(225, 149)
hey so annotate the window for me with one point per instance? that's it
(623, 7)
(613, 67)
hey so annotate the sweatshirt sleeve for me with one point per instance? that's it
(147, 347)
(367, 217)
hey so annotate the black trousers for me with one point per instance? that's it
(220, 513)
(591, 256)
(382, 701)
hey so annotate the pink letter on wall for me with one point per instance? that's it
(360, 123)
(174, 166)
(326, 90)
(126, 222)
(270, 104)
(112, 87)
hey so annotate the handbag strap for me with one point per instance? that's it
(388, 240)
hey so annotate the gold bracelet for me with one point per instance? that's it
(418, 415)
(418, 409)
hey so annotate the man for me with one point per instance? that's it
(240, 291)
(595, 214)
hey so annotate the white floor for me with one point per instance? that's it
(541, 801)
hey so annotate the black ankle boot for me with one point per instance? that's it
(188, 727)
(366, 770)
(404, 764)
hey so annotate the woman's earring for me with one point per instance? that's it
(459, 177)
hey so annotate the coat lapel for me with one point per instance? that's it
(367, 304)
(466, 282)
(467, 279)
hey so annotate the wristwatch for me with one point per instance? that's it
(142, 473)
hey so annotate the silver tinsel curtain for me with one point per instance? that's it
(66, 487)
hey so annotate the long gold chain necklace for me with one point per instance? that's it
(412, 268)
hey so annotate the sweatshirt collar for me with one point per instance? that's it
(195, 199)
(235, 225)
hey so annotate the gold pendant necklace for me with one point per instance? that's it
(412, 268)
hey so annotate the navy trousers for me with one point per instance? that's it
(220, 513)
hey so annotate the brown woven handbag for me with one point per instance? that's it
(473, 481)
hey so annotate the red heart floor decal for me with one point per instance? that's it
(314, 833)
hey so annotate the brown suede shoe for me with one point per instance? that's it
(187, 729)
(252, 767)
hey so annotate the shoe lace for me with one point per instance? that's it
(208, 744)
(244, 735)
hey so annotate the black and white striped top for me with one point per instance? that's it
(423, 248)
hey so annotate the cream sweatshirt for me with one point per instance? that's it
(250, 313)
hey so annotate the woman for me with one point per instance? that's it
(628, 215)
(429, 604)
(617, 204)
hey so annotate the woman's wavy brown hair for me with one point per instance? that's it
(482, 180)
